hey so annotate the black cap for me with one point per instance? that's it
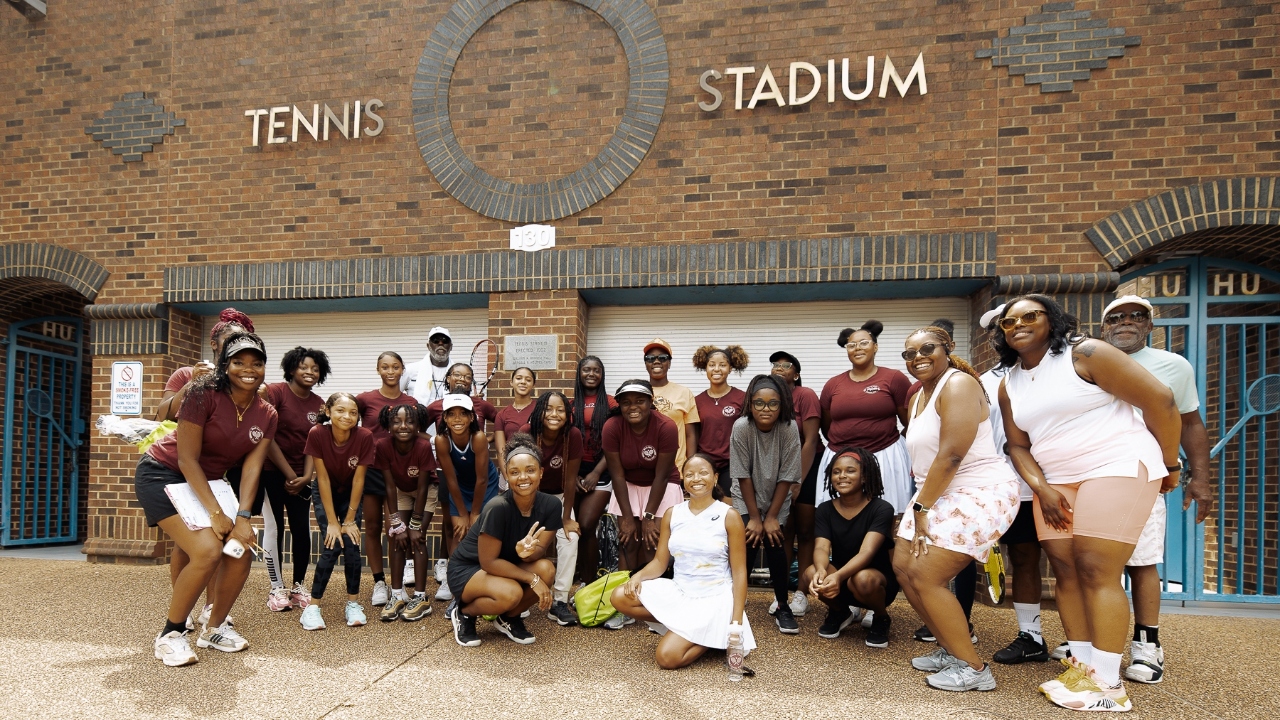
(784, 355)
(242, 343)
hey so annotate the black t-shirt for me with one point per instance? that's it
(846, 536)
(502, 519)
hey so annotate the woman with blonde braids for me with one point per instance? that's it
(968, 498)
(720, 405)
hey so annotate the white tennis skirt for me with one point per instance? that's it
(700, 620)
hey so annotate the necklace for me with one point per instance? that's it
(240, 412)
(717, 397)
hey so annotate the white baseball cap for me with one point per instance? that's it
(1127, 300)
(456, 400)
(437, 330)
(989, 316)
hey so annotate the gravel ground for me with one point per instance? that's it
(91, 657)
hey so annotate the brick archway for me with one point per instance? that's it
(53, 262)
(1239, 214)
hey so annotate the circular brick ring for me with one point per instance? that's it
(646, 50)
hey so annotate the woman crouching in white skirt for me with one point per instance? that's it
(705, 602)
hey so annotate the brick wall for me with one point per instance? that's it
(982, 151)
(562, 313)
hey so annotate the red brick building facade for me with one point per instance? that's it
(1043, 148)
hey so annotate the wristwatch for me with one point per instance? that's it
(917, 507)
(650, 516)
(244, 514)
(1176, 467)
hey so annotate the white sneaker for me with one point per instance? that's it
(203, 618)
(866, 619)
(442, 570)
(223, 637)
(174, 650)
(858, 614)
(355, 614)
(799, 604)
(442, 592)
(1146, 663)
(311, 619)
(409, 577)
(380, 594)
(617, 621)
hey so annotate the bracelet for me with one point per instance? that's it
(215, 513)
(534, 582)
(350, 522)
(415, 516)
(415, 524)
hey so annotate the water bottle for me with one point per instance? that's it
(734, 652)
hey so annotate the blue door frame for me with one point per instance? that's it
(43, 432)
(1241, 349)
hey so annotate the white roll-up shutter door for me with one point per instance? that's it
(808, 330)
(353, 340)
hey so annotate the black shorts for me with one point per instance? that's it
(846, 596)
(148, 483)
(809, 488)
(233, 479)
(1023, 529)
(458, 577)
(374, 483)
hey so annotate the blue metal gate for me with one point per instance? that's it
(1224, 317)
(43, 431)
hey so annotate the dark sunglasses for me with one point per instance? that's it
(1137, 316)
(1027, 318)
(926, 349)
(657, 358)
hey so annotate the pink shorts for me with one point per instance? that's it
(1108, 508)
(639, 497)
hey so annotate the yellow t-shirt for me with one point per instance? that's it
(676, 402)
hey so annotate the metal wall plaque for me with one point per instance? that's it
(537, 352)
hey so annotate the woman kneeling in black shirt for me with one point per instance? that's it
(852, 562)
(500, 567)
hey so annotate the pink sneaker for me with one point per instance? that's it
(299, 597)
(278, 600)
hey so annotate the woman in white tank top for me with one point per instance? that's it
(968, 498)
(1073, 436)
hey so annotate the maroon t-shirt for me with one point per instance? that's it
(406, 469)
(639, 453)
(590, 449)
(227, 439)
(717, 418)
(179, 379)
(297, 416)
(806, 404)
(555, 456)
(510, 419)
(485, 411)
(340, 462)
(865, 414)
(371, 404)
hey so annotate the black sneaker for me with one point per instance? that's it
(513, 627)
(878, 634)
(562, 614)
(838, 618)
(922, 634)
(464, 628)
(1024, 648)
(786, 621)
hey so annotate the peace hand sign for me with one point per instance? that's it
(528, 545)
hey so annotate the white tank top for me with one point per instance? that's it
(1078, 430)
(699, 546)
(982, 466)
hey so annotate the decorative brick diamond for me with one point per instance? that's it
(1058, 46)
(133, 126)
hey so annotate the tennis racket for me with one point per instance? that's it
(484, 363)
(995, 575)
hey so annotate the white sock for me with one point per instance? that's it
(1106, 666)
(1029, 619)
(419, 594)
(399, 594)
(1081, 651)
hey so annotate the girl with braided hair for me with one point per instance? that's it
(591, 408)
(561, 448)
(968, 498)
(407, 463)
(852, 547)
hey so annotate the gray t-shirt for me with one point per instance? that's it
(768, 459)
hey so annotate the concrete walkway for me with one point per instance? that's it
(75, 642)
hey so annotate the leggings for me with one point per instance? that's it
(966, 584)
(348, 549)
(298, 508)
(779, 569)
